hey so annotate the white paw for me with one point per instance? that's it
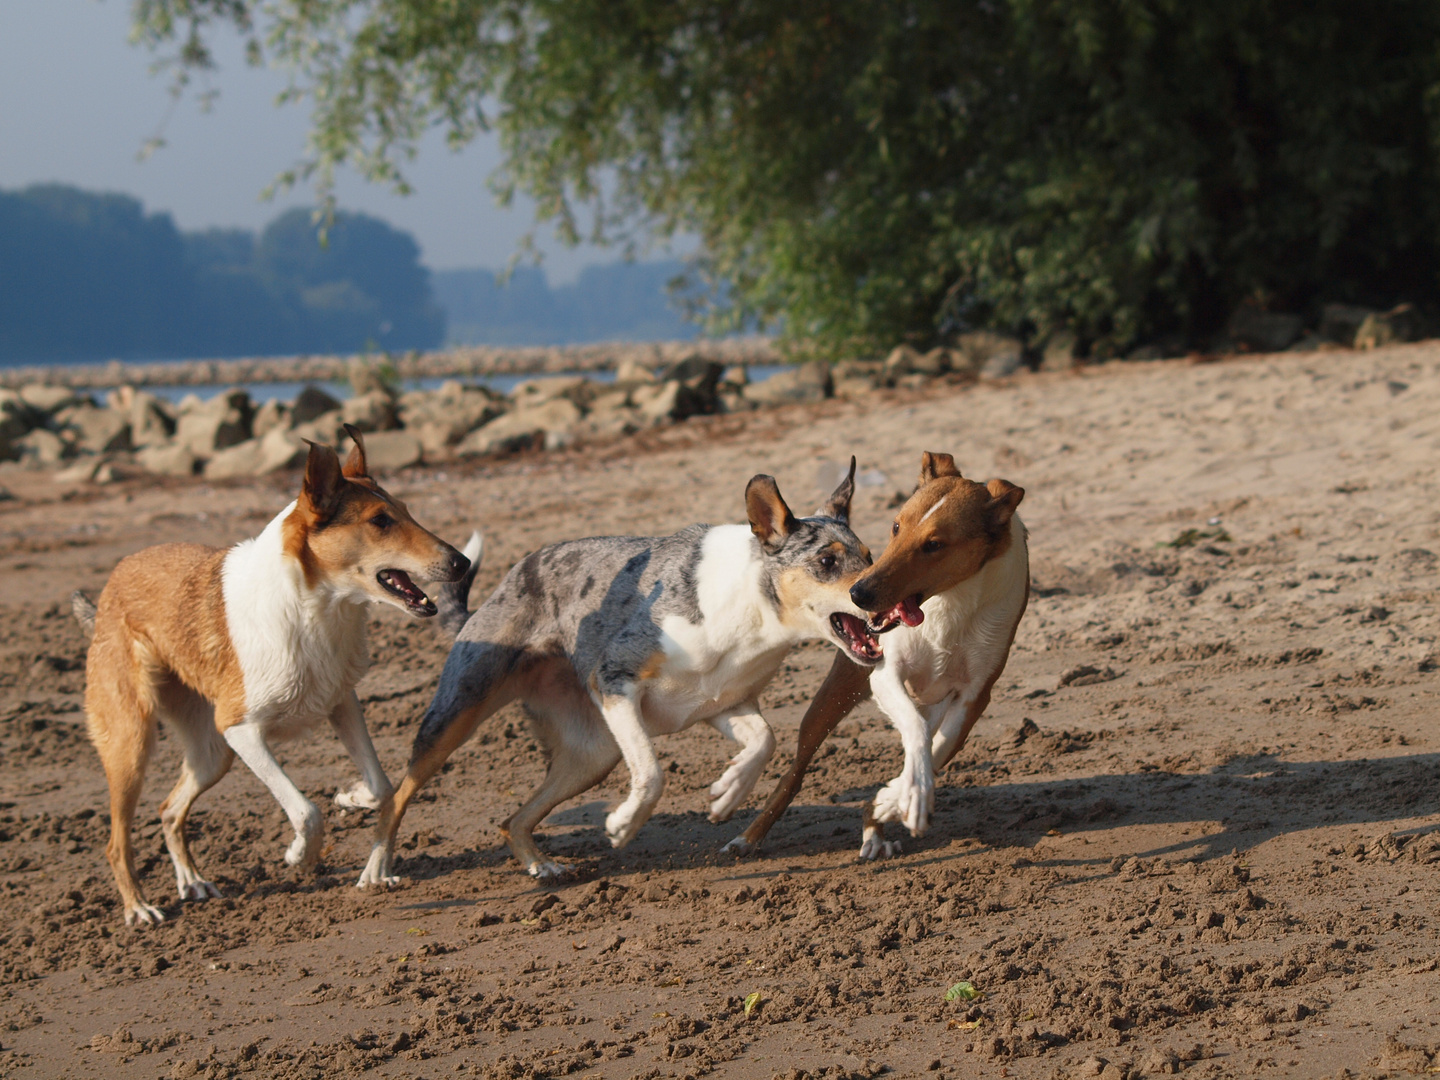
(730, 791)
(359, 797)
(622, 823)
(908, 798)
(304, 850)
(144, 914)
(875, 846)
(739, 847)
(545, 870)
(377, 870)
(198, 889)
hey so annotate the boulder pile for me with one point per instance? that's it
(230, 435)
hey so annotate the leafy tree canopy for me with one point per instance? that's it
(867, 172)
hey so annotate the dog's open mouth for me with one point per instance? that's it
(862, 644)
(907, 611)
(399, 584)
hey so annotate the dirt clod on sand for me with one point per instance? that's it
(1196, 834)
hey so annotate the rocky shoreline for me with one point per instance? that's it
(132, 432)
(466, 362)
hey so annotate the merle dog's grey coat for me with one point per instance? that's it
(611, 640)
(599, 602)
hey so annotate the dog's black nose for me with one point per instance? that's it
(862, 595)
(458, 565)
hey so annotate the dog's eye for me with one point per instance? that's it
(382, 521)
(931, 546)
(895, 529)
(827, 562)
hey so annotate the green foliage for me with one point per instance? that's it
(866, 172)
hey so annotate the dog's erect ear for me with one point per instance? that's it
(1004, 498)
(936, 465)
(323, 479)
(355, 466)
(770, 518)
(839, 505)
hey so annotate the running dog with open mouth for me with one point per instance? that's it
(950, 589)
(235, 647)
(610, 641)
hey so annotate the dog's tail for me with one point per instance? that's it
(453, 598)
(84, 609)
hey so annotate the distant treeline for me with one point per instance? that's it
(622, 301)
(87, 276)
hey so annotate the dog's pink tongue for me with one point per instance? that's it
(909, 611)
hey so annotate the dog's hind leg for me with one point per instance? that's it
(479, 677)
(581, 755)
(373, 788)
(757, 744)
(120, 711)
(206, 759)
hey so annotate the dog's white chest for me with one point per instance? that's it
(299, 653)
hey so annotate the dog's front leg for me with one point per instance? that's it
(757, 744)
(373, 787)
(909, 797)
(248, 741)
(622, 716)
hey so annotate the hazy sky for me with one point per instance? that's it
(77, 102)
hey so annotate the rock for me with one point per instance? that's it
(83, 471)
(16, 418)
(51, 399)
(96, 431)
(858, 369)
(935, 362)
(273, 414)
(693, 369)
(1264, 331)
(446, 415)
(807, 382)
(854, 389)
(533, 392)
(310, 403)
(988, 354)
(279, 449)
(673, 400)
(611, 424)
(374, 411)
(738, 375)
(366, 377)
(1059, 353)
(631, 371)
(151, 422)
(172, 460)
(901, 361)
(387, 451)
(326, 428)
(40, 445)
(1339, 322)
(732, 399)
(611, 401)
(1403, 323)
(550, 424)
(213, 425)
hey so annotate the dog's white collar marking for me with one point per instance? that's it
(933, 509)
(299, 649)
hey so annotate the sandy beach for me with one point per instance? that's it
(1197, 831)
